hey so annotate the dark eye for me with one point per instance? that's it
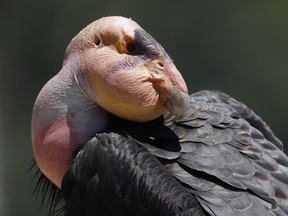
(97, 40)
(131, 47)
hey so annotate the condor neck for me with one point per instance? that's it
(63, 119)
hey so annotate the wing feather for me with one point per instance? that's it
(236, 146)
(219, 159)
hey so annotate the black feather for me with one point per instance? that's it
(219, 159)
(46, 191)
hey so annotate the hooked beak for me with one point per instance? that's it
(175, 76)
(177, 102)
(170, 85)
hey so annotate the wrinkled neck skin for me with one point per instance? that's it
(64, 118)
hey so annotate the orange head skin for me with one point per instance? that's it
(111, 65)
(125, 73)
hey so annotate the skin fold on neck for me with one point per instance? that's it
(64, 117)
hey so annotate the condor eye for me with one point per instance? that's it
(131, 47)
(97, 40)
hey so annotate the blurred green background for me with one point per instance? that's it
(240, 47)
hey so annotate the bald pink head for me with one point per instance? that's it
(111, 65)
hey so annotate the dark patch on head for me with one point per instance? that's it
(146, 48)
(147, 45)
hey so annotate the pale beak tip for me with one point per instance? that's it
(177, 102)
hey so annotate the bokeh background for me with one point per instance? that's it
(240, 47)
